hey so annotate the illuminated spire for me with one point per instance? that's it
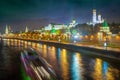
(105, 24)
(26, 29)
(6, 30)
(99, 18)
(53, 31)
(94, 16)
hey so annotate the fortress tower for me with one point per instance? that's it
(6, 30)
(99, 18)
(94, 17)
(26, 29)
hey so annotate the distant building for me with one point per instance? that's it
(61, 26)
(104, 29)
(96, 19)
(26, 29)
(56, 26)
(6, 30)
(73, 23)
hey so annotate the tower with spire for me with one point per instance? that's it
(6, 30)
(96, 19)
(26, 29)
(99, 18)
(104, 30)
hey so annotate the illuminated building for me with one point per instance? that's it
(68, 30)
(6, 30)
(96, 19)
(73, 23)
(61, 26)
(56, 26)
(26, 29)
(53, 31)
(104, 29)
(100, 20)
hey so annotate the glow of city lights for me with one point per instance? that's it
(58, 53)
(98, 69)
(64, 64)
(76, 68)
(105, 67)
(75, 36)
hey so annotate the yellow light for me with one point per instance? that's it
(92, 36)
(98, 70)
(81, 37)
(44, 50)
(117, 37)
(86, 37)
(64, 64)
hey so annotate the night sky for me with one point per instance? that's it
(36, 13)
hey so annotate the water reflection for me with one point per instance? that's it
(98, 69)
(52, 55)
(76, 67)
(58, 54)
(44, 51)
(64, 65)
(103, 71)
(71, 65)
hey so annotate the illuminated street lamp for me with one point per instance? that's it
(106, 41)
(76, 37)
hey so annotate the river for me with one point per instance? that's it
(68, 64)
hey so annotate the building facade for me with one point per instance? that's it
(104, 30)
(96, 19)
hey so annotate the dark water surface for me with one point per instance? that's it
(9, 64)
(69, 65)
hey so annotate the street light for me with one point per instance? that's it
(106, 41)
(75, 38)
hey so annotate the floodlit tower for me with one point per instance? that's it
(105, 27)
(26, 29)
(99, 18)
(94, 16)
(73, 21)
(6, 30)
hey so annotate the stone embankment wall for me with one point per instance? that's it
(86, 50)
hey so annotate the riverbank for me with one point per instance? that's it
(112, 53)
(97, 50)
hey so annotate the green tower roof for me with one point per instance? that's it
(105, 24)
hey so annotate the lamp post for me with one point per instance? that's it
(106, 42)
